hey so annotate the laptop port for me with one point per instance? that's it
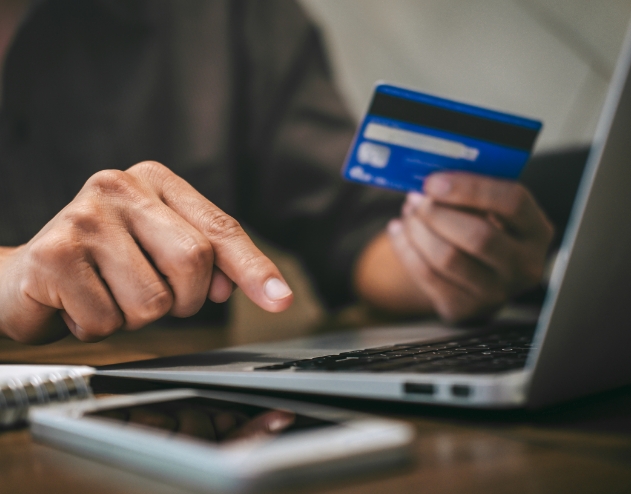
(460, 390)
(419, 388)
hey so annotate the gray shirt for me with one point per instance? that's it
(235, 96)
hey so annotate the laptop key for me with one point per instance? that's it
(482, 353)
(273, 367)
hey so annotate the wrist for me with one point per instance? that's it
(6, 253)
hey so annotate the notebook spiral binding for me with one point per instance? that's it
(17, 396)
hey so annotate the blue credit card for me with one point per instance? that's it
(407, 135)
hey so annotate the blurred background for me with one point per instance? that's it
(547, 59)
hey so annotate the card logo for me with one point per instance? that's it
(373, 154)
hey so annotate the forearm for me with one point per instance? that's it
(5, 254)
(381, 281)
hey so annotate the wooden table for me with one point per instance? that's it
(584, 446)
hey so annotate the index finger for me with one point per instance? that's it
(235, 253)
(509, 200)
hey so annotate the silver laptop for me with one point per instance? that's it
(580, 343)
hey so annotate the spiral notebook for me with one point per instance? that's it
(22, 386)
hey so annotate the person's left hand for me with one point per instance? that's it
(471, 242)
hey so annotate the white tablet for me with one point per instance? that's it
(223, 441)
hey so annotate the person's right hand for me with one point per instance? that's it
(131, 247)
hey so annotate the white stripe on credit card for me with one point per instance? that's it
(420, 142)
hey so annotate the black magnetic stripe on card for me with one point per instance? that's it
(414, 112)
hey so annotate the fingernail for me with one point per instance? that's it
(395, 227)
(438, 185)
(278, 424)
(276, 289)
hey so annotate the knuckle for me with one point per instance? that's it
(110, 183)
(194, 255)
(56, 250)
(156, 301)
(84, 218)
(482, 238)
(448, 259)
(217, 224)
(151, 172)
(148, 168)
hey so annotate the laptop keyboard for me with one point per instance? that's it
(492, 352)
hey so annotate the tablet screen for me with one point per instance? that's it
(213, 420)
